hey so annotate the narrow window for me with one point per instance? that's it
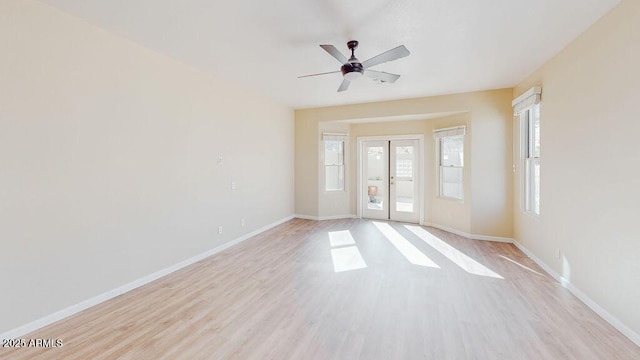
(451, 166)
(333, 165)
(450, 144)
(531, 137)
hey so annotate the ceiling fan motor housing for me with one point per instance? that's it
(352, 70)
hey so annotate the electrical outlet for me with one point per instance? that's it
(219, 160)
(220, 230)
(233, 185)
(242, 222)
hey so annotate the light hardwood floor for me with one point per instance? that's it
(276, 296)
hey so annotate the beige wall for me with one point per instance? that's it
(307, 159)
(488, 200)
(108, 161)
(590, 201)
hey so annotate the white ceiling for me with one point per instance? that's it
(456, 45)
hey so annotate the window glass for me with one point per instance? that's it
(452, 151)
(333, 165)
(531, 135)
(451, 166)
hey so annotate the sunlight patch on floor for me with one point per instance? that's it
(412, 253)
(341, 238)
(459, 258)
(522, 266)
(344, 252)
(347, 258)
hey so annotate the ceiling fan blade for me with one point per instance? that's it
(393, 54)
(382, 76)
(335, 53)
(344, 86)
(324, 73)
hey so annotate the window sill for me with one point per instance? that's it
(459, 201)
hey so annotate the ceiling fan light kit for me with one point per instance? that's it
(353, 69)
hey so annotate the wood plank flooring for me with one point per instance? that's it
(276, 296)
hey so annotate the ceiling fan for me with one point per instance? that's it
(353, 69)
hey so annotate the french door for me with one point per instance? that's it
(390, 179)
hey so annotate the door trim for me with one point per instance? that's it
(359, 174)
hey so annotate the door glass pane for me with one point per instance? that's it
(376, 193)
(403, 180)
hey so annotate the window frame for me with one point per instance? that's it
(441, 168)
(531, 159)
(341, 165)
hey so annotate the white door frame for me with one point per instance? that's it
(421, 194)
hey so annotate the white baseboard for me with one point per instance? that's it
(615, 322)
(74, 309)
(306, 217)
(540, 263)
(322, 218)
(470, 236)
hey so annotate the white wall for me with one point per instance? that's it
(108, 161)
(590, 200)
